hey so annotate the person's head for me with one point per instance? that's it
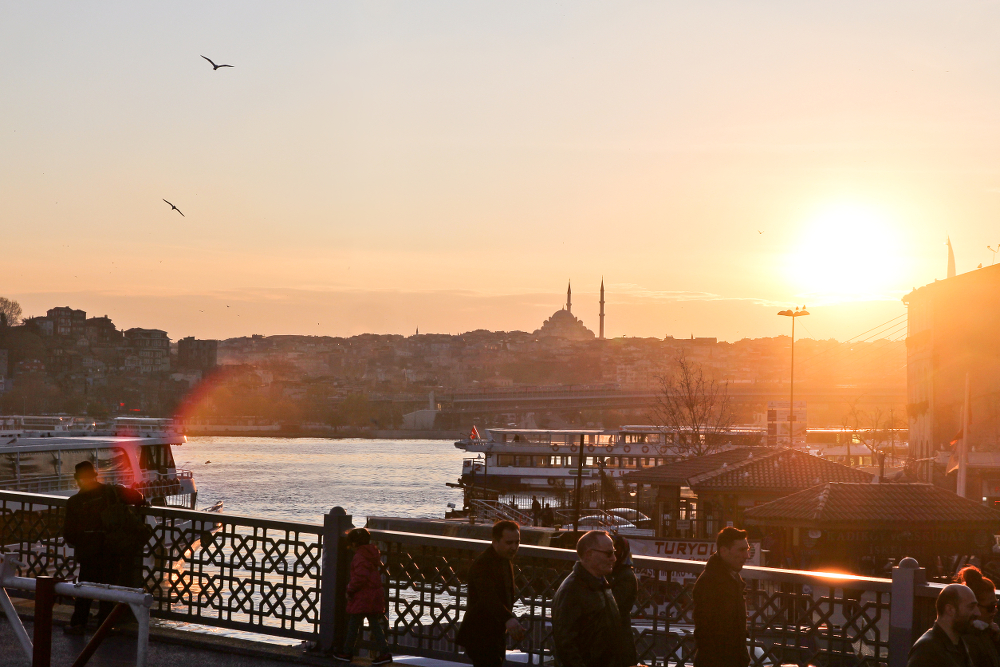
(85, 476)
(956, 608)
(358, 537)
(732, 546)
(983, 587)
(546, 504)
(596, 552)
(506, 538)
(622, 549)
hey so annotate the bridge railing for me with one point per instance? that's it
(222, 570)
(288, 579)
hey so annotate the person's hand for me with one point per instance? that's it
(515, 630)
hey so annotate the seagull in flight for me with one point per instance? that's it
(214, 66)
(175, 208)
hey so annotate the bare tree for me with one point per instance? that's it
(874, 429)
(695, 407)
(10, 312)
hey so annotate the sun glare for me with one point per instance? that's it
(846, 253)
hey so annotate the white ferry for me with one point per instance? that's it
(40, 454)
(515, 458)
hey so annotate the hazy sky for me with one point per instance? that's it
(449, 165)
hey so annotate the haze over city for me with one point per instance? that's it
(384, 167)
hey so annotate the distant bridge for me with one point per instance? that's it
(589, 398)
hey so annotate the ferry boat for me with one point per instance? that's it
(40, 454)
(536, 459)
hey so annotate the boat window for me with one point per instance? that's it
(112, 460)
(71, 457)
(628, 461)
(155, 457)
(504, 460)
(8, 469)
(38, 464)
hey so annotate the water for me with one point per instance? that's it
(300, 479)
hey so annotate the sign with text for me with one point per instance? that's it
(781, 421)
(683, 549)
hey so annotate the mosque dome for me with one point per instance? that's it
(563, 324)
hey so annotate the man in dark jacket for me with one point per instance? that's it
(942, 645)
(490, 615)
(98, 556)
(720, 610)
(586, 626)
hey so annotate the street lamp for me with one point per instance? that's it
(791, 390)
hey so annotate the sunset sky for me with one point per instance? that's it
(378, 167)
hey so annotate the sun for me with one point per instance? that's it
(847, 253)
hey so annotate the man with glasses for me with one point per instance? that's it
(586, 624)
(490, 615)
(720, 610)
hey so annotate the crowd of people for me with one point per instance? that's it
(591, 610)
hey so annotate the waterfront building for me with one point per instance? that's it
(67, 321)
(101, 330)
(698, 497)
(152, 347)
(197, 354)
(865, 528)
(952, 330)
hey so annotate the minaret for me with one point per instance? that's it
(569, 298)
(602, 309)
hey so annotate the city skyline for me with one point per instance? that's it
(379, 168)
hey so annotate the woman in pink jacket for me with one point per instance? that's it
(365, 597)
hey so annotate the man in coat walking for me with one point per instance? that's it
(490, 614)
(106, 554)
(586, 626)
(720, 610)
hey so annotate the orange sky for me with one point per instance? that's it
(448, 166)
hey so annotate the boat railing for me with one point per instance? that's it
(492, 511)
(62, 482)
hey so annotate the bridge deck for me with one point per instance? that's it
(169, 647)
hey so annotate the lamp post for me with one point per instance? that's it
(791, 390)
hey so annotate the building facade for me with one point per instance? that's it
(197, 354)
(953, 332)
(152, 349)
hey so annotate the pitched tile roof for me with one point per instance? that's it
(678, 472)
(787, 470)
(861, 505)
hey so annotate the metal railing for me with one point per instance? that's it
(288, 579)
(794, 617)
(493, 511)
(214, 569)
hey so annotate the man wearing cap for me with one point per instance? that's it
(86, 532)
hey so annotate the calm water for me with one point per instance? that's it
(300, 479)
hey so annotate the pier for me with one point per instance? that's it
(287, 580)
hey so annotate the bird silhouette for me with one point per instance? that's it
(175, 208)
(759, 232)
(214, 66)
